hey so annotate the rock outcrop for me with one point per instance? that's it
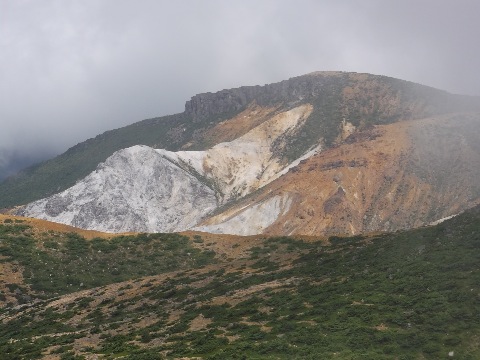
(135, 190)
(408, 98)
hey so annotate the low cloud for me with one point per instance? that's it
(73, 69)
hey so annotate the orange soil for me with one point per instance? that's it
(45, 226)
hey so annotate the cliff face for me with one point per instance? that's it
(323, 153)
(289, 92)
(400, 98)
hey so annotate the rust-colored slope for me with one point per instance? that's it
(41, 226)
(337, 189)
(236, 126)
(388, 177)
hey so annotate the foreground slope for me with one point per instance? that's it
(209, 119)
(412, 294)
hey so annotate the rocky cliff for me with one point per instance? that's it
(401, 97)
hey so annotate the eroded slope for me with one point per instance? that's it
(142, 189)
(383, 178)
(135, 190)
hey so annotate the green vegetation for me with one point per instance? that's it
(407, 295)
(61, 172)
(324, 122)
(63, 263)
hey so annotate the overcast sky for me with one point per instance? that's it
(70, 70)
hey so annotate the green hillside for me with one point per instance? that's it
(407, 295)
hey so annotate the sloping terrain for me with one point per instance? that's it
(142, 189)
(137, 190)
(382, 178)
(412, 294)
(238, 167)
(208, 119)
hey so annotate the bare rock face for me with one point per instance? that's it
(360, 94)
(140, 189)
(391, 177)
(136, 189)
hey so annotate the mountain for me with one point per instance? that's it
(410, 294)
(323, 153)
(173, 190)
(361, 98)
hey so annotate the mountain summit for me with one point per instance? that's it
(323, 153)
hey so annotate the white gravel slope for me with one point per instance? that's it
(141, 189)
(136, 189)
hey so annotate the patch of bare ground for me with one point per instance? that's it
(361, 303)
(224, 245)
(261, 324)
(239, 125)
(381, 327)
(44, 226)
(242, 294)
(199, 323)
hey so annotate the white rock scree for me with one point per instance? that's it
(141, 189)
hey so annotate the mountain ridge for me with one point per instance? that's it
(190, 128)
(380, 154)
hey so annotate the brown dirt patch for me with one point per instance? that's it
(41, 226)
(199, 323)
(239, 125)
(224, 245)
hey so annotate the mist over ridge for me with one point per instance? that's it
(72, 70)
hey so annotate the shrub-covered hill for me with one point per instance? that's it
(407, 295)
(53, 263)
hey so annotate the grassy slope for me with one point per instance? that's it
(408, 295)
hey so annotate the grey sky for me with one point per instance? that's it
(72, 69)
